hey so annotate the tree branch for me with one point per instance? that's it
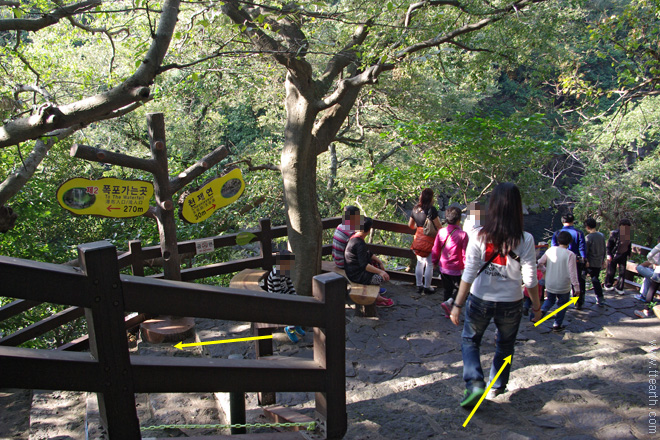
(496, 16)
(266, 166)
(287, 57)
(91, 109)
(105, 156)
(196, 170)
(46, 19)
(13, 183)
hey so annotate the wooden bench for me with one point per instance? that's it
(364, 296)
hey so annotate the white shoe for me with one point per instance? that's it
(608, 288)
(642, 313)
(620, 292)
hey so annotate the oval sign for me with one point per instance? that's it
(107, 197)
(218, 193)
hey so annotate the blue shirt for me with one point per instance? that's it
(578, 244)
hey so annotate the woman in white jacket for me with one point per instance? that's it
(499, 260)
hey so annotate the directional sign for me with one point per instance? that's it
(108, 197)
(220, 192)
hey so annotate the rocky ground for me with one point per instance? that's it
(404, 379)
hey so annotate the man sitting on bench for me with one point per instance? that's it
(361, 266)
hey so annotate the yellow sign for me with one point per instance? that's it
(106, 197)
(220, 192)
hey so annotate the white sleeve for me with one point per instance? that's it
(473, 260)
(528, 261)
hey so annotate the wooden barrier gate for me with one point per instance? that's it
(116, 376)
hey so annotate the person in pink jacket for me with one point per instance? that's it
(449, 255)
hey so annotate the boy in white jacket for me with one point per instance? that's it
(560, 274)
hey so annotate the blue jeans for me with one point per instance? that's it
(647, 273)
(478, 314)
(561, 299)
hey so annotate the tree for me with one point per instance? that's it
(330, 52)
(323, 82)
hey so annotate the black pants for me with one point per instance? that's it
(450, 284)
(612, 266)
(594, 274)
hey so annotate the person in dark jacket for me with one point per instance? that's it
(361, 266)
(619, 246)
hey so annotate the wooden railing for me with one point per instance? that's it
(137, 256)
(109, 370)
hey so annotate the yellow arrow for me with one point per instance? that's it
(570, 301)
(181, 345)
(507, 361)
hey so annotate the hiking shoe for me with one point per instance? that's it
(291, 334)
(299, 331)
(420, 289)
(608, 288)
(494, 392)
(557, 328)
(471, 398)
(382, 290)
(620, 292)
(640, 297)
(525, 311)
(642, 313)
(601, 302)
(578, 306)
(429, 290)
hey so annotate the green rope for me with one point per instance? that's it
(309, 426)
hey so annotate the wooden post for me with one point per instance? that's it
(137, 260)
(108, 342)
(266, 244)
(163, 194)
(330, 352)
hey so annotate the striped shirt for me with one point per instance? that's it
(277, 283)
(339, 241)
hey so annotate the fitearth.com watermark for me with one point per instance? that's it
(653, 390)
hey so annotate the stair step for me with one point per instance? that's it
(57, 414)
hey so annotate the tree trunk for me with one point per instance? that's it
(299, 177)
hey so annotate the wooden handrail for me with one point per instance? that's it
(109, 370)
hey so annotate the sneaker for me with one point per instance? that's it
(291, 334)
(578, 306)
(382, 290)
(640, 297)
(471, 398)
(446, 308)
(620, 292)
(420, 289)
(642, 313)
(299, 331)
(494, 392)
(429, 290)
(384, 302)
(608, 288)
(601, 302)
(557, 328)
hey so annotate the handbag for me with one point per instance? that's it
(422, 244)
(429, 227)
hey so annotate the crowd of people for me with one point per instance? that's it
(491, 271)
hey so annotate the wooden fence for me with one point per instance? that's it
(109, 370)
